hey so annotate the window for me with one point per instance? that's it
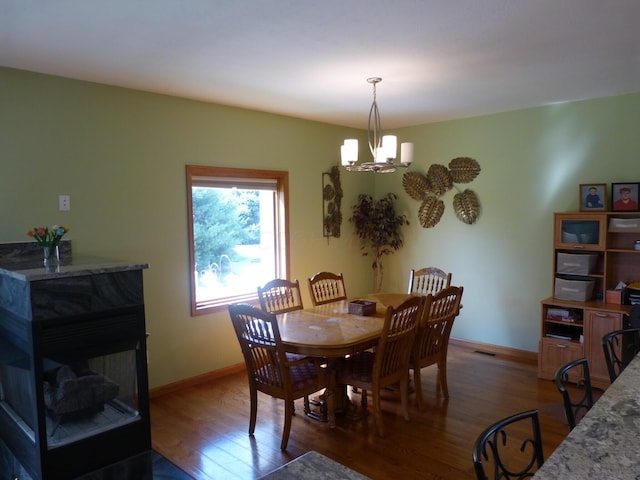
(238, 233)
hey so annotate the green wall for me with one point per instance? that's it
(121, 155)
(533, 162)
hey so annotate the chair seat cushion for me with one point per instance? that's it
(303, 376)
(358, 367)
(295, 357)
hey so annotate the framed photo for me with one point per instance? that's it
(624, 197)
(593, 197)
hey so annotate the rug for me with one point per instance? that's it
(163, 469)
(146, 466)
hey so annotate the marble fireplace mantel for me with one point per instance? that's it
(78, 285)
(32, 271)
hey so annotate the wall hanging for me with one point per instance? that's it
(331, 202)
(439, 179)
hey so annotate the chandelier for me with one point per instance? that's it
(383, 148)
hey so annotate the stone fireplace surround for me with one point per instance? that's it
(89, 310)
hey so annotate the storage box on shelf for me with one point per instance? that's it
(577, 289)
(593, 253)
(576, 263)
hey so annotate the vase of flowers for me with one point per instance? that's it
(49, 239)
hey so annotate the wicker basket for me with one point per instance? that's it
(362, 307)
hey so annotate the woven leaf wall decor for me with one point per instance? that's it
(464, 169)
(416, 185)
(439, 180)
(466, 206)
(430, 211)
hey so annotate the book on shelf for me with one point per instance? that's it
(562, 314)
(559, 337)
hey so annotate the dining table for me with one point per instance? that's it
(330, 331)
(605, 444)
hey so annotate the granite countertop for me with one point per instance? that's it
(606, 442)
(30, 271)
(313, 465)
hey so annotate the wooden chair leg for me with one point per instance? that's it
(442, 380)
(288, 415)
(253, 394)
(417, 386)
(404, 397)
(377, 412)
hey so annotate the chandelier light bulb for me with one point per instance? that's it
(349, 151)
(390, 146)
(406, 153)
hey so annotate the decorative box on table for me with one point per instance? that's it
(362, 307)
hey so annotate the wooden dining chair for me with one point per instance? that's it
(432, 340)
(280, 296)
(327, 287)
(620, 346)
(428, 280)
(387, 366)
(269, 369)
(510, 448)
(577, 400)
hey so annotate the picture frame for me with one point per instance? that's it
(593, 197)
(624, 197)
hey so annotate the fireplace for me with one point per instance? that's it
(73, 373)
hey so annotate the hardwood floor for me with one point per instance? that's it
(203, 429)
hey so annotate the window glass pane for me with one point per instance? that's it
(234, 241)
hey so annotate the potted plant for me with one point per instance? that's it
(378, 227)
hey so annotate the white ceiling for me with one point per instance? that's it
(439, 59)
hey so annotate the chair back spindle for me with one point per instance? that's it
(280, 296)
(428, 280)
(327, 287)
